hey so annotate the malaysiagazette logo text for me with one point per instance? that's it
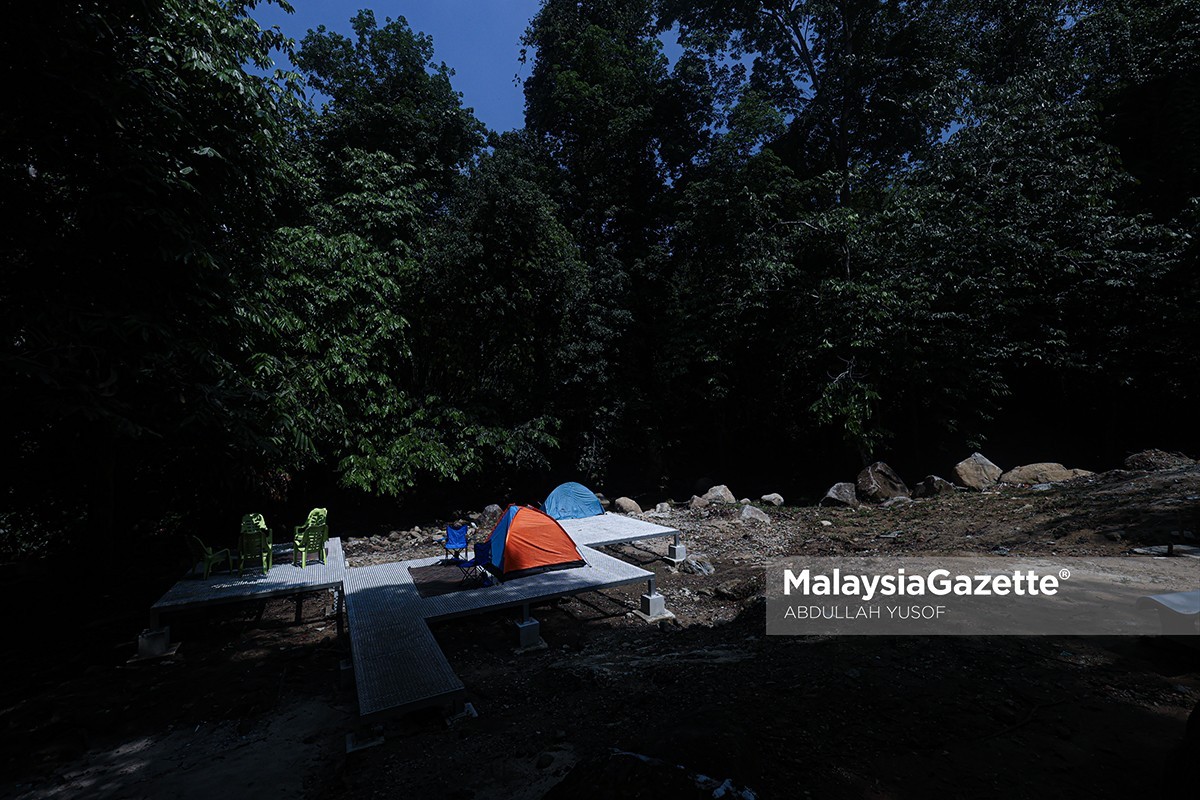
(939, 582)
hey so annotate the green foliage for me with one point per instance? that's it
(619, 125)
(854, 224)
(945, 214)
(139, 163)
(421, 313)
(385, 94)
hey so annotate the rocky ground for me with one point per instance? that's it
(704, 705)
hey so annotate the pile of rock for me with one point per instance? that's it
(880, 485)
(722, 495)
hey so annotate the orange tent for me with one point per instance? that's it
(526, 541)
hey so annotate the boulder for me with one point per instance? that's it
(745, 501)
(976, 472)
(931, 486)
(1044, 472)
(697, 566)
(720, 494)
(1150, 460)
(840, 494)
(626, 506)
(878, 482)
(663, 508)
(752, 514)
(773, 498)
(492, 511)
(697, 502)
(605, 503)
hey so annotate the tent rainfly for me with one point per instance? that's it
(524, 542)
(572, 500)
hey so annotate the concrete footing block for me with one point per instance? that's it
(468, 712)
(653, 604)
(654, 608)
(676, 553)
(529, 634)
(154, 641)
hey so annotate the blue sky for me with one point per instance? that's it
(478, 39)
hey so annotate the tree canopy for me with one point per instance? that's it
(846, 227)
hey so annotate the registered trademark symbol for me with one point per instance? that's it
(1064, 573)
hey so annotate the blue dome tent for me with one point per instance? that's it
(572, 500)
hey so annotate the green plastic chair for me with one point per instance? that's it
(202, 554)
(311, 537)
(254, 544)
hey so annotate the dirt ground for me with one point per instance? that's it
(701, 706)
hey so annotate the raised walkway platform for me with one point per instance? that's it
(398, 665)
(613, 529)
(283, 579)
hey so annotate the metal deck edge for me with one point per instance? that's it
(335, 561)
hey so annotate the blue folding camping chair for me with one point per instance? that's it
(476, 567)
(455, 542)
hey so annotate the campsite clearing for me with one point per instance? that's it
(1011, 716)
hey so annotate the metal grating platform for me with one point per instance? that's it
(611, 528)
(602, 572)
(284, 578)
(398, 665)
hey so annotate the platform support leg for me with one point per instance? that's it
(299, 607)
(339, 598)
(654, 605)
(677, 552)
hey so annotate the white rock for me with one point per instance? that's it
(773, 498)
(840, 494)
(752, 514)
(720, 494)
(976, 472)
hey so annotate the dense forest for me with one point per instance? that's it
(824, 231)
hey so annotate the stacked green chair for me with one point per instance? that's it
(254, 544)
(202, 554)
(311, 537)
